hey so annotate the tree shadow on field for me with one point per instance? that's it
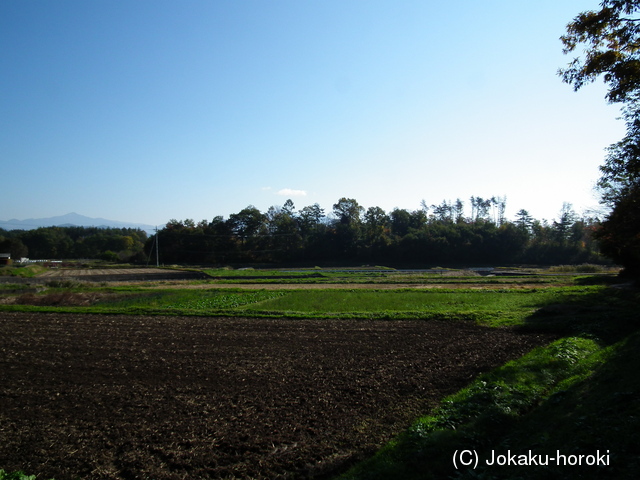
(606, 315)
(598, 415)
(592, 422)
(578, 396)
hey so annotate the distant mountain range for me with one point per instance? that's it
(70, 220)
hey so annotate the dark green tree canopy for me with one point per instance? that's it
(347, 211)
(611, 41)
(621, 170)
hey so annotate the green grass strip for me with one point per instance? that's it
(517, 407)
(15, 476)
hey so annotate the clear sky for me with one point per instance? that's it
(150, 110)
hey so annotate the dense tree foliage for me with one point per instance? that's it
(610, 38)
(619, 237)
(351, 234)
(611, 49)
(114, 244)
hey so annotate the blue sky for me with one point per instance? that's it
(146, 111)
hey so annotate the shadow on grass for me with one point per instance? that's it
(577, 396)
(607, 314)
(597, 415)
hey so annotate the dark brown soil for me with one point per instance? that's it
(124, 397)
(120, 275)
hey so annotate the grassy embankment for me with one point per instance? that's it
(29, 271)
(577, 395)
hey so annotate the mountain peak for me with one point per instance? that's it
(70, 219)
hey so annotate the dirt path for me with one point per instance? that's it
(123, 397)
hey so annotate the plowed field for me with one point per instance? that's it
(119, 275)
(125, 397)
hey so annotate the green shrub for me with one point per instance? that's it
(15, 476)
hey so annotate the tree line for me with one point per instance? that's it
(111, 244)
(351, 234)
(442, 234)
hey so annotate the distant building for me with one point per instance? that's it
(5, 259)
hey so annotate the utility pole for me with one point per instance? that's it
(157, 249)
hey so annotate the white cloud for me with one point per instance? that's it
(289, 192)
